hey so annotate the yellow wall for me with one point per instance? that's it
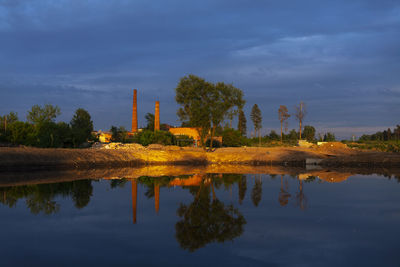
(191, 132)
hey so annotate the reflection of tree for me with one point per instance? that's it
(284, 193)
(115, 183)
(242, 188)
(37, 205)
(206, 220)
(301, 200)
(81, 192)
(256, 193)
(40, 198)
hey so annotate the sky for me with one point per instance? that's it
(342, 58)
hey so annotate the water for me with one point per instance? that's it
(220, 220)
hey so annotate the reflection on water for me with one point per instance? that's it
(211, 208)
(40, 198)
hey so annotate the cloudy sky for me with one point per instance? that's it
(342, 58)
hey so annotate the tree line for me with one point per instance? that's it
(205, 106)
(41, 130)
(386, 135)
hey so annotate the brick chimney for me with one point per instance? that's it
(157, 117)
(134, 112)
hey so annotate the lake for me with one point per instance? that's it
(202, 219)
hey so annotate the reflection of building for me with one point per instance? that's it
(195, 180)
(330, 176)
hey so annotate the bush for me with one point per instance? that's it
(232, 138)
(164, 138)
(148, 137)
(215, 143)
(184, 140)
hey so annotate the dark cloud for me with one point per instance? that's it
(340, 57)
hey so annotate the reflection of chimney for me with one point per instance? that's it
(157, 196)
(157, 117)
(134, 199)
(134, 112)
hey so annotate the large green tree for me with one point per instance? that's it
(39, 114)
(256, 117)
(204, 105)
(225, 99)
(194, 95)
(81, 126)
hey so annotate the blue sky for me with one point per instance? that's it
(342, 58)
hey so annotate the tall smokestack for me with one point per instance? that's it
(134, 112)
(157, 117)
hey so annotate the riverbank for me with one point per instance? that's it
(332, 175)
(27, 158)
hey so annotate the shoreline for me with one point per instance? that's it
(27, 158)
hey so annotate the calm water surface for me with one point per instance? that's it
(214, 220)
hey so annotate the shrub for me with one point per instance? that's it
(215, 143)
(184, 140)
(232, 138)
(148, 137)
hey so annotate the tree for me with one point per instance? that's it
(40, 114)
(242, 123)
(283, 115)
(232, 138)
(81, 126)
(256, 117)
(300, 113)
(194, 95)
(309, 133)
(273, 135)
(329, 137)
(293, 135)
(150, 121)
(21, 133)
(205, 105)
(118, 134)
(7, 120)
(224, 99)
(396, 132)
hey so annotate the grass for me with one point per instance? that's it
(385, 146)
